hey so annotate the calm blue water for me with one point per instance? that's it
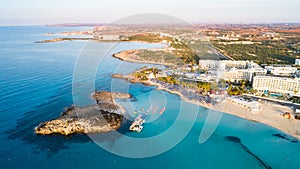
(36, 85)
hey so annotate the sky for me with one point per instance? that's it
(37, 12)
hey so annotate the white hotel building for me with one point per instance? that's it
(281, 70)
(227, 64)
(240, 74)
(276, 84)
(233, 70)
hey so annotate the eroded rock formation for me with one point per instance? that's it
(102, 117)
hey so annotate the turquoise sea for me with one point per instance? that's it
(36, 86)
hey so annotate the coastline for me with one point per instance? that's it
(269, 114)
(36, 88)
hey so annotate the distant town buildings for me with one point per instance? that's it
(228, 37)
(266, 84)
(239, 42)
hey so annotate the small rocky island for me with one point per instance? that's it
(104, 116)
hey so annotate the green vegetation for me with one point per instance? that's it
(159, 56)
(181, 50)
(186, 54)
(149, 37)
(140, 75)
(204, 87)
(297, 117)
(179, 56)
(294, 99)
(266, 53)
(143, 74)
(239, 88)
(169, 79)
(201, 87)
(62, 39)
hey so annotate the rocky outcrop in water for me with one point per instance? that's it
(109, 96)
(102, 117)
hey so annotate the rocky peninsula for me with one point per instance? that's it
(104, 116)
(61, 39)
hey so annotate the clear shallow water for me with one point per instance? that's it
(36, 85)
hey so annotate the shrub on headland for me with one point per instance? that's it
(297, 116)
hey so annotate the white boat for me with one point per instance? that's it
(137, 125)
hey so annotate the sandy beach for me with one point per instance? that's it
(269, 114)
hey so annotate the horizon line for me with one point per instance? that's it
(79, 24)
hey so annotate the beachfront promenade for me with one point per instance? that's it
(287, 103)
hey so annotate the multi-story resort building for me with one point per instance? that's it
(233, 70)
(265, 84)
(281, 70)
(214, 64)
(240, 74)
